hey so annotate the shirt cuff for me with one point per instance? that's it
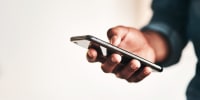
(173, 40)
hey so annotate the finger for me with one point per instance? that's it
(116, 34)
(129, 69)
(140, 75)
(92, 55)
(110, 64)
(115, 40)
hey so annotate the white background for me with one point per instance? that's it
(38, 62)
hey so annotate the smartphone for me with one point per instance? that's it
(86, 40)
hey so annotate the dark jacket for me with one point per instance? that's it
(179, 22)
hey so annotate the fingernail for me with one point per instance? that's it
(116, 58)
(113, 59)
(117, 75)
(89, 54)
(115, 40)
(136, 64)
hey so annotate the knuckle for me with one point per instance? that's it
(131, 79)
(105, 70)
(122, 75)
(135, 80)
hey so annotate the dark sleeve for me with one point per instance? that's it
(170, 20)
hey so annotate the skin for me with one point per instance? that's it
(149, 45)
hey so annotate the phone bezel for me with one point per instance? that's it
(117, 49)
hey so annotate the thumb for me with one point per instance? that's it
(115, 40)
(116, 34)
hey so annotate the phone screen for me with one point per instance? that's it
(107, 49)
(87, 43)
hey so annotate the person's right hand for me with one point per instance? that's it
(131, 40)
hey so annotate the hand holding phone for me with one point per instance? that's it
(136, 50)
(87, 40)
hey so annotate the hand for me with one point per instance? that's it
(131, 40)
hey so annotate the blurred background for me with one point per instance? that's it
(38, 61)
